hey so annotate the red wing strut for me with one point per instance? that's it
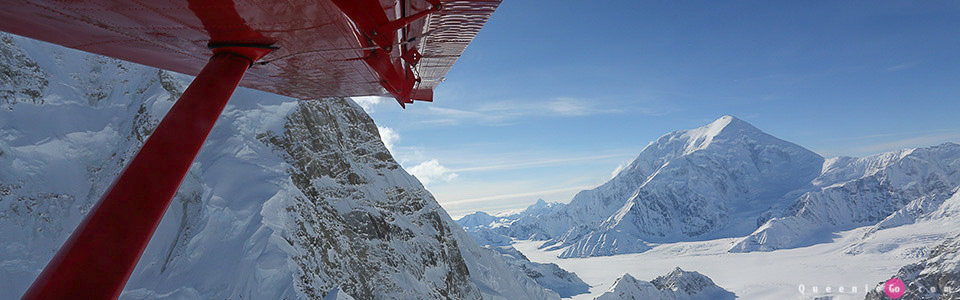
(300, 48)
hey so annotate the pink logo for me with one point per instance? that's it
(894, 288)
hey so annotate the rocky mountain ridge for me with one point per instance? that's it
(676, 285)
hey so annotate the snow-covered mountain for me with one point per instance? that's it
(548, 275)
(697, 184)
(481, 219)
(478, 220)
(729, 179)
(885, 190)
(677, 285)
(287, 200)
(483, 227)
(936, 277)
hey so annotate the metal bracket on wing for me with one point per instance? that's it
(379, 35)
(375, 28)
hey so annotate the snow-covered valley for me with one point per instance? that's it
(765, 275)
(762, 217)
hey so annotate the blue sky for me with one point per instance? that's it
(552, 96)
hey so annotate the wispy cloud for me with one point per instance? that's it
(562, 106)
(918, 141)
(369, 103)
(502, 112)
(902, 66)
(427, 171)
(619, 168)
(496, 210)
(389, 137)
(541, 163)
(515, 195)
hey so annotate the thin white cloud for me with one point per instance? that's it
(618, 169)
(499, 210)
(369, 103)
(426, 171)
(561, 106)
(935, 132)
(920, 141)
(500, 112)
(578, 107)
(902, 66)
(515, 195)
(432, 171)
(542, 163)
(389, 137)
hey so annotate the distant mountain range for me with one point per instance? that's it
(729, 179)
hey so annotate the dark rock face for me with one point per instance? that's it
(21, 79)
(362, 250)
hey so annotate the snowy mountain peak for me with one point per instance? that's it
(477, 219)
(724, 136)
(625, 277)
(540, 207)
(689, 282)
(625, 280)
(700, 138)
(709, 182)
(678, 284)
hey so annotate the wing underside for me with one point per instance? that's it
(325, 48)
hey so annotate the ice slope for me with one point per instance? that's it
(677, 285)
(287, 200)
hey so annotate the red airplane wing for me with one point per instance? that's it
(300, 48)
(325, 47)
